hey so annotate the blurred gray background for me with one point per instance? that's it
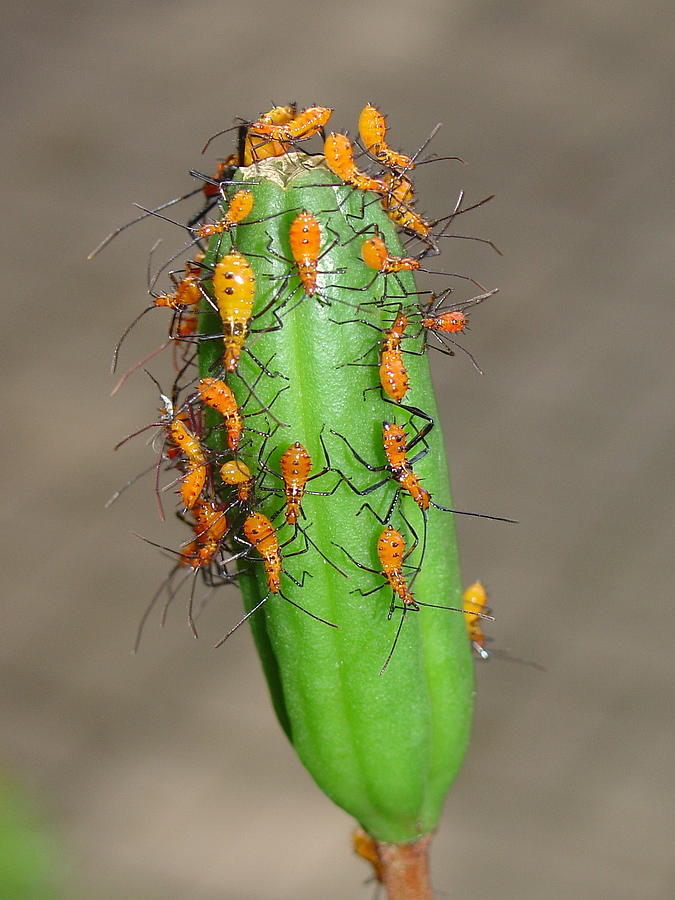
(165, 775)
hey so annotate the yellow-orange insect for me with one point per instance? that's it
(305, 241)
(240, 207)
(300, 127)
(375, 254)
(398, 202)
(339, 155)
(237, 474)
(373, 131)
(218, 395)
(393, 373)
(234, 291)
(295, 468)
(475, 604)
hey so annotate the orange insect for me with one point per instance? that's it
(302, 126)
(474, 603)
(211, 188)
(400, 467)
(339, 155)
(196, 465)
(305, 240)
(391, 552)
(261, 535)
(365, 847)
(398, 202)
(375, 254)
(295, 468)
(209, 527)
(186, 448)
(256, 148)
(237, 474)
(253, 151)
(216, 394)
(240, 207)
(186, 442)
(373, 131)
(296, 464)
(393, 373)
(186, 294)
(439, 323)
(234, 289)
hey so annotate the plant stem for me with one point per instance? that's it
(405, 869)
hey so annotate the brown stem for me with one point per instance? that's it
(405, 869)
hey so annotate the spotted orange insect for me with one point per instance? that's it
(339, 155)
(210, 526)
(195, 462)
(257, 147)
(398, 202)
(392, 554)
(305, 241)
(475, 602)
(373, 132)
(218, 395)
(302, 126)
(261, 535)
(376, 256)
(237, 475)
(234, 289)
(399, 467)
(295, 468)
(240, 207)
(186, 294)
(394, 379)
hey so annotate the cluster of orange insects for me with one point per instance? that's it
(220, 496)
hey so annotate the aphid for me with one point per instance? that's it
(453, 319)
(216, 394)
(187, 447)
(234, 290)
(375, 254)
(305, 241)
(261, 535)
(237, 474)
(301, 127)
(474, 603)
(373, 131)
(339, 155)
(240, 208)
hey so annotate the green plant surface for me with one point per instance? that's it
(385, 746)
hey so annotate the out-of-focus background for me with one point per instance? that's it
(165, 775)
